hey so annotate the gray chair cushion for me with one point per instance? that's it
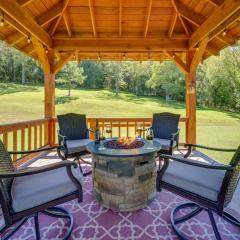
(33, 190)
(165, 143)
(76, 146)
(201, 181)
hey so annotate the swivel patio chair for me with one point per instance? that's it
(73, 134)
(26, 192)
(165, 131)
(209, 187)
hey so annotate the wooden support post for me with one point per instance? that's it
(191, 107)
(49, 95)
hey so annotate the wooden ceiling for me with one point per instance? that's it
(119, 29)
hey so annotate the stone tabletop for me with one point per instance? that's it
(99, 149)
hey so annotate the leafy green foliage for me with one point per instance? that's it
(218, 78)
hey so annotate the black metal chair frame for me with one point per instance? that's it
(200, 203)
(63, 152)
(174, 137)
(48, 208)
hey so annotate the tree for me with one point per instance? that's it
(72, 75)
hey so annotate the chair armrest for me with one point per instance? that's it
(90, 130)
(175, 134)
(36, 170)
(191, 146)
(196, 164)
(61, 136)
(36, 150)
(146, 129)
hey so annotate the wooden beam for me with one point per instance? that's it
(215, 3)
(42, 20)
(67, 23)
(180, 64)
(196, 19)
(120, 18)
(49, 15)
(55, 25)
(198, 54)
(64, 59)
(16, 12)
(176, 7)
(173, 22)
(149, 8)
(42, 55)
(120, 45)
(218, 30)
(91, 9)
(24, 3)
(216, 19)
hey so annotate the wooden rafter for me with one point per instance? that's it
(197, 20)
(185, 27)
(42, 20)
(67, 23)
(173, 22)
(216, 21)
(120, 45)
(55, 25)
(149, 8)
(215, 3)
(91, 9)
(120, 18)
(197, 58)
(177, 60)
(23, 2)
(18, 14)
(64, 59)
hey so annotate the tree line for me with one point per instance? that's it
(218, 78)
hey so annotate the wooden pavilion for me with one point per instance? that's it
(56, 31)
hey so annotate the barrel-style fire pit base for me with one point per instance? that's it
(124, 180)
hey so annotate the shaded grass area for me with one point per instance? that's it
(214, 127)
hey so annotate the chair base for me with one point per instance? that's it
(231, 219)
(196, 211)
(56, 212)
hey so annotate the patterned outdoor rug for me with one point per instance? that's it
(91, 221)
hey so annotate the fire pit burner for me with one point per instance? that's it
(124, 143)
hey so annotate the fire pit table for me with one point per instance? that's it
(124, 176)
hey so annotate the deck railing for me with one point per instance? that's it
(35, 134)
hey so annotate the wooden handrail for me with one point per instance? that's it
(37, 133)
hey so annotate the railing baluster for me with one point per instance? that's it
(5, 139)
(29, 138)
(119, 129)
(35, 137)
(111, 128)
(22, 140)
(127, 130)
(14, 145)
(40, 135)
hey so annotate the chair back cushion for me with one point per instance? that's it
(234, 177)
(6, 165)
(73, 126)
(164, 124)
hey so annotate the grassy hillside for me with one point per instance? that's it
(19, 103)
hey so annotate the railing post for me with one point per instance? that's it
(92, 126)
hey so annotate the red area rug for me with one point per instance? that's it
(91, 221)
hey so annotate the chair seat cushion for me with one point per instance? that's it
(165, 143)
(200, 181)
(33, 190)
(76, 146)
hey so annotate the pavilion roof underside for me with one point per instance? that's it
(119, 29)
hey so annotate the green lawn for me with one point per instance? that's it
(19, 103)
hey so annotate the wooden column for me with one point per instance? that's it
(193, 58)
(191, 107)
(49, 104)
